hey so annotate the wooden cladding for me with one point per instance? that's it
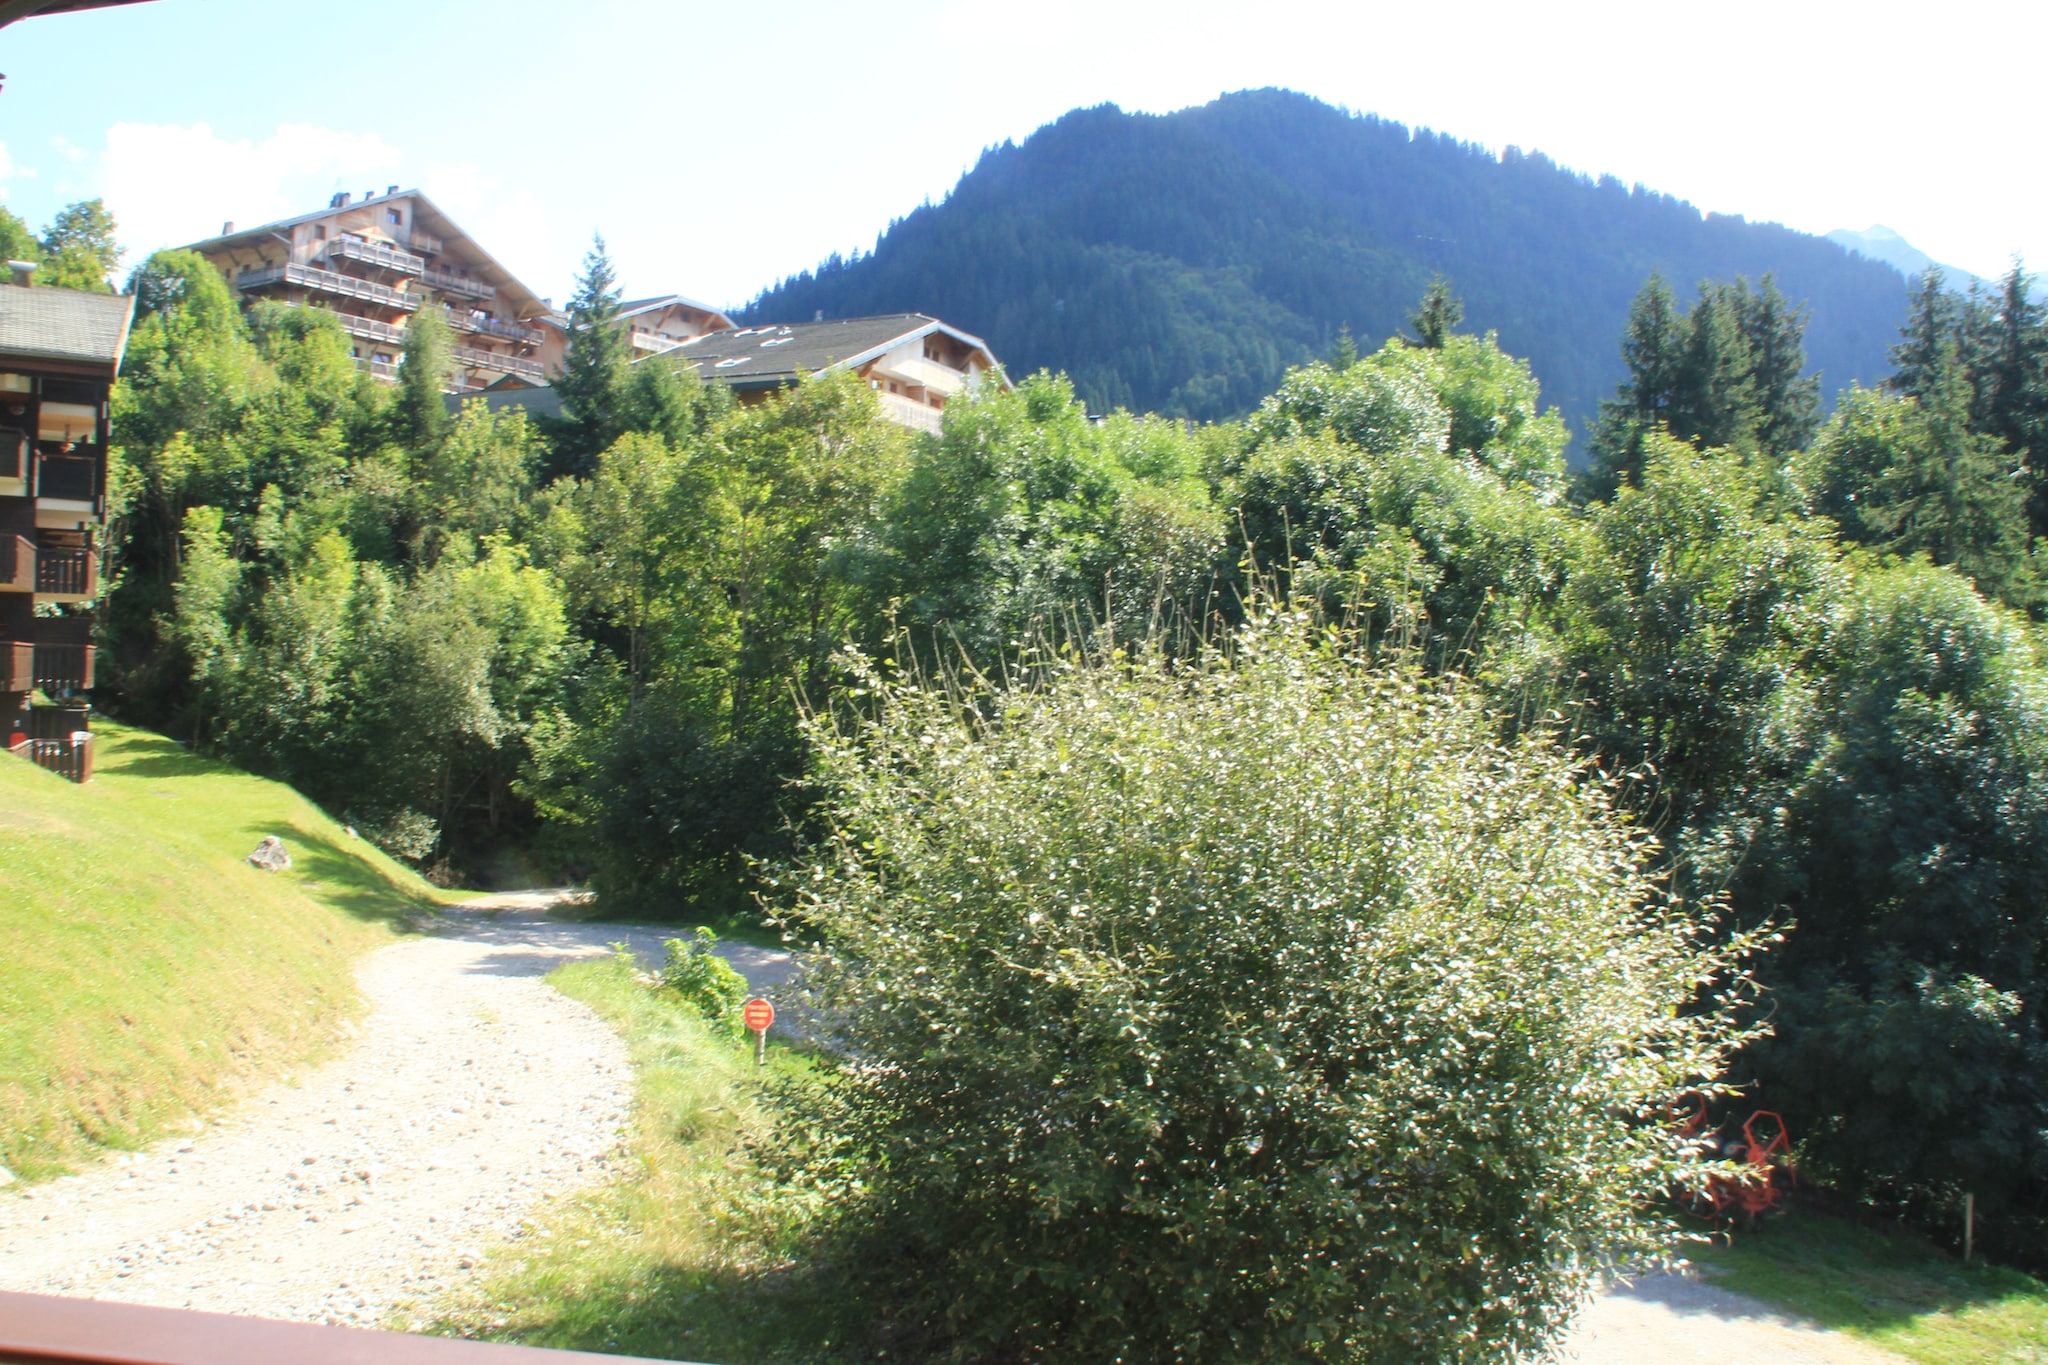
(17, 564)
(67, 573)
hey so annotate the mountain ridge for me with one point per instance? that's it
(1180, 262)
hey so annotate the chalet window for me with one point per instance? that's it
(397, 218)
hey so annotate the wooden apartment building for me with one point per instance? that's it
(59, 352)
(377, 262)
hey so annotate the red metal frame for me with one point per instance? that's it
(37, 1329)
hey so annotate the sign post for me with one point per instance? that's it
(757, 1015)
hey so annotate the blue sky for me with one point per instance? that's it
(720, 146)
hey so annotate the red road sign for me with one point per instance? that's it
(758, 1014)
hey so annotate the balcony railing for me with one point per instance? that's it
(72, 478)
(379, 369)
(69, 757)
(471, 358)
(370, 329)
(375, 254)
(17, 564)
(426, 243)
(63, 668)
(67, 573)
(465, 320)
(448, 282)
(17, 666)
(327, 282)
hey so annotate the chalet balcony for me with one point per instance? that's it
(17, 564)
(374, 255)
(67, 478)
(67, 575)
(483, 324)
(426, 243)
(370, 329)
(328, 282)
(378, 369)
(497, 362)
(62, 668)
(60, 739)
(448, 282)
(908, 412)
(69, 756)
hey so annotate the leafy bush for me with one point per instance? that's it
(695, 974)
(1260, 1008)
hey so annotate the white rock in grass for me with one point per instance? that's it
(6, 1176)
(270, 855)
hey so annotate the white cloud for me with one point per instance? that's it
(169, 184)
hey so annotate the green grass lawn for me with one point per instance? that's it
(684, 1256)
(1890, 1289)
(148, 973)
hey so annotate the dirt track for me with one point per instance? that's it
(471, 1096)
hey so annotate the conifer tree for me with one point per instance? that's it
(1787, 399)
(1438, 315)
(595, 369)
(1930, 327)
(419, 415)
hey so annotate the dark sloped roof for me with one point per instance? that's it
(777, 353)
(64, 324)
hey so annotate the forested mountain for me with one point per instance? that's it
(1179, 263)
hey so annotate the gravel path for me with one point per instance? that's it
(1680, 1320)
(473, 1094)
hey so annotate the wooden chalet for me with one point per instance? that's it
(914, 363)
(60, 350)
(376, 263)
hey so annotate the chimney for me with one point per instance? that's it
(23, 272)
(339, 201)
(391, 189)
(227, 227)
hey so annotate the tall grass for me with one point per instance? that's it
(147, 973)
(683, 1255)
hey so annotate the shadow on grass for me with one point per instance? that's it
(142, 753)
(1850, 1275)
(346, 879)
(737, 927)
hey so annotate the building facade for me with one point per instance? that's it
(60, 350)
(378, 262)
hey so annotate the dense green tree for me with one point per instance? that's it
(79, 250)
(1260, 1007)
(17, 242)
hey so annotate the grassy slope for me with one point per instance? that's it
(146, 971)
(1891, 1289)
(677, 1258)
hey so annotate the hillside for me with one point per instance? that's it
(1179, 263)
(149, 970)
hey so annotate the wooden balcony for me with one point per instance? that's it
(17, 564)
(67, 575)
(69, 757)
(426, 243)
(329, 282)
(17, 666)
(448, 282)
(369, 329)
(374, 255)
(498, 362)
(63, 668)
(483, 324)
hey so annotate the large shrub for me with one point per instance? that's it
(1264, 1008)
